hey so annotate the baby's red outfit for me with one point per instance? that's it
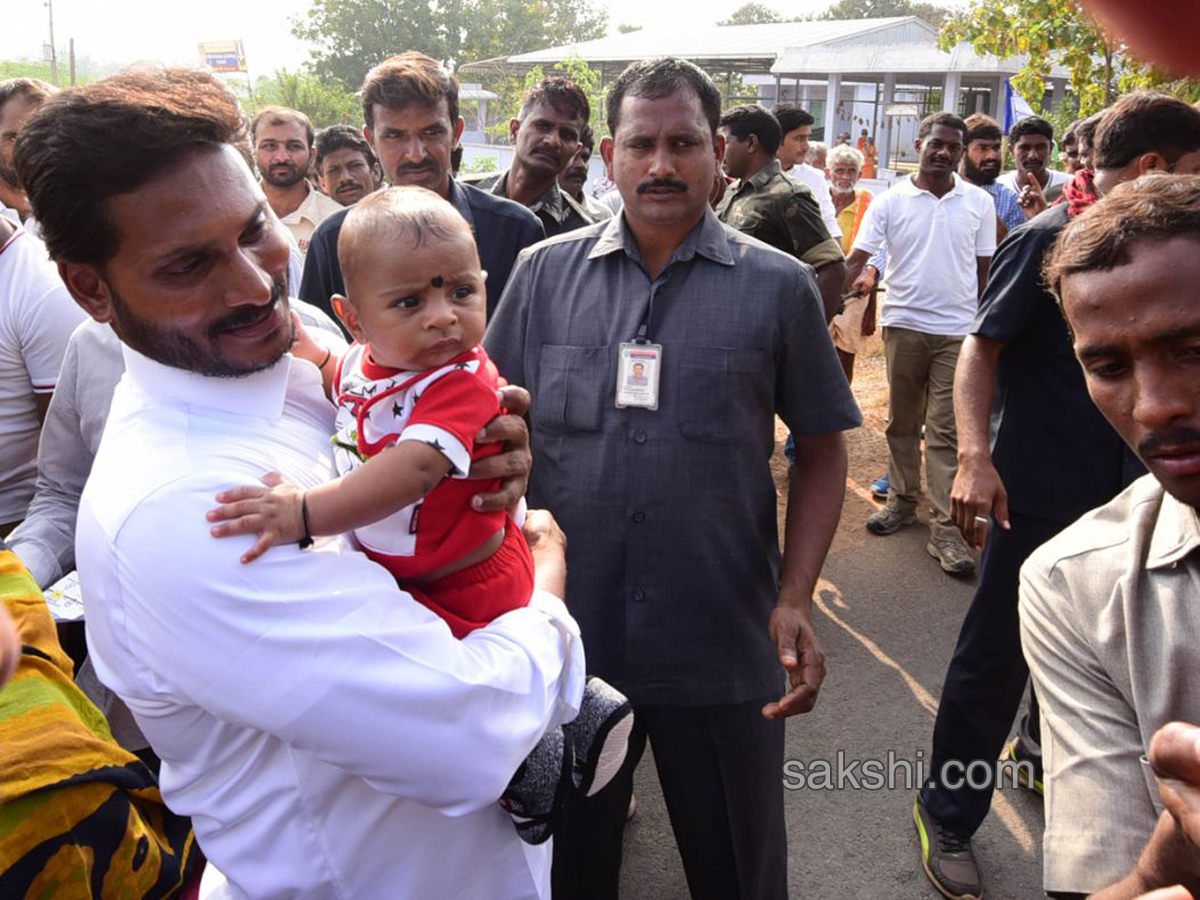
(444, 407)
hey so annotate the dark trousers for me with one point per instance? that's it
(721, 770)
(987, 679)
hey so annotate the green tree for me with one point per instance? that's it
(512, 92)
(879, 9)
(752, 14)
(626, 28)
(350, 36)
(1057, 32)
(324, 103)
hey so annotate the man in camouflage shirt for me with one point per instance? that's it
(767, 204)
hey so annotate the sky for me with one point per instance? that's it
(119, 32)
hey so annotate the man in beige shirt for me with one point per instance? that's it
(284, 153)
(1110, 608)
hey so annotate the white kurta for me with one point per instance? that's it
(327, 734)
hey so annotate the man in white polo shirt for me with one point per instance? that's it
(37, 317)
(940, 232)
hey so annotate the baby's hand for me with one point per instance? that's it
(275, 513)
(305, 346)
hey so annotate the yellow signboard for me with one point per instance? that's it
(223, 56)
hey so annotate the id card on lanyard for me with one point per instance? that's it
(638, 368)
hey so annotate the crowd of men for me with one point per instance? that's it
(316, 732)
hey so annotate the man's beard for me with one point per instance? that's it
(9, 175)
(841, 191)
(294, 176)
(978, 176)
(181, 351)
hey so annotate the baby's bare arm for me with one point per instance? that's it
(384, 484)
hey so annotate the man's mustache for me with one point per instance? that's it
(661, 183)
(247, 315)
(411, 168)
(1175, 438)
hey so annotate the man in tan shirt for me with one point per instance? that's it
(284, 153)
(1110, 608)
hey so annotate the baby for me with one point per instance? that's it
(411, 393)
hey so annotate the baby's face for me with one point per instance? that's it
(420, 306)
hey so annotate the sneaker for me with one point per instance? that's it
(953, 556)
(599, 736)
(890, 519)
(879, 487)
(536, 790)
(1012, 752)
(947, 858)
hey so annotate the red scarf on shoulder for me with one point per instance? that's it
(1080, 193)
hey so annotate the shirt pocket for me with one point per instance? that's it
(722, 394)
(573, 383)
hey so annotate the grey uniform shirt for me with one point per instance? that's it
(673, 552)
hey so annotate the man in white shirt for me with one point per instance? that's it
(284, 154)
(941, 233)
(1032, 140)
(797, 127)
(326, 733)
(37, 317)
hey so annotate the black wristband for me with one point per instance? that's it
(328, 353)
(306, 541)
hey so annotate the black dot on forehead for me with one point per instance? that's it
(436, 281)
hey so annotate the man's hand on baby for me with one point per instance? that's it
(275, 513)
(512, 465)
(304, 346)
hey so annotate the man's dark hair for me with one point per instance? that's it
(282, 115)
(1070, 136)
(587, 138)
(948, 119)
(1031, 125)
(409, 78)
(752, 119)
(1085, 131)
(980, 127)
(790, 117)
(562, 95)
(1152, 208)
(1145, 122)
(655, 79)
(31, 90)
(135, 126)
(342, 137)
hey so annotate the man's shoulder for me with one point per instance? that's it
(324, 205)
(1091, 545)
(330, 227)
(570, 245)
(487, 204)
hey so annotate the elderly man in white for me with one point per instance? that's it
(326, 733)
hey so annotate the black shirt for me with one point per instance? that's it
(502, 230)
(1055, 452)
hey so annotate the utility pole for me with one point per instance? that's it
(53, 50)
(72, 62)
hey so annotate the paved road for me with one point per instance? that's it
(888, 618)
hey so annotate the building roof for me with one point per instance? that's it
(869, 61)
(742, 48)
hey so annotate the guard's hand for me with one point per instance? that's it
(977, 494)
(868, 320)
(513, 463)
(801, 656)
(548, 546)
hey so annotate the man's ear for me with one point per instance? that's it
(88, 288)
(719, 148)
(606, 155)
(514, 126)
(1152, 163)
(349, 315)
(459, 125)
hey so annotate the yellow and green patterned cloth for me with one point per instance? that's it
(79, 816)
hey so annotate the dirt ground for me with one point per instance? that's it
(866, 448)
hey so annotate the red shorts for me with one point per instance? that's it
(473, 597)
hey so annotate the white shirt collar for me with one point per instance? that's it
(910, 186)
(260, 395)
